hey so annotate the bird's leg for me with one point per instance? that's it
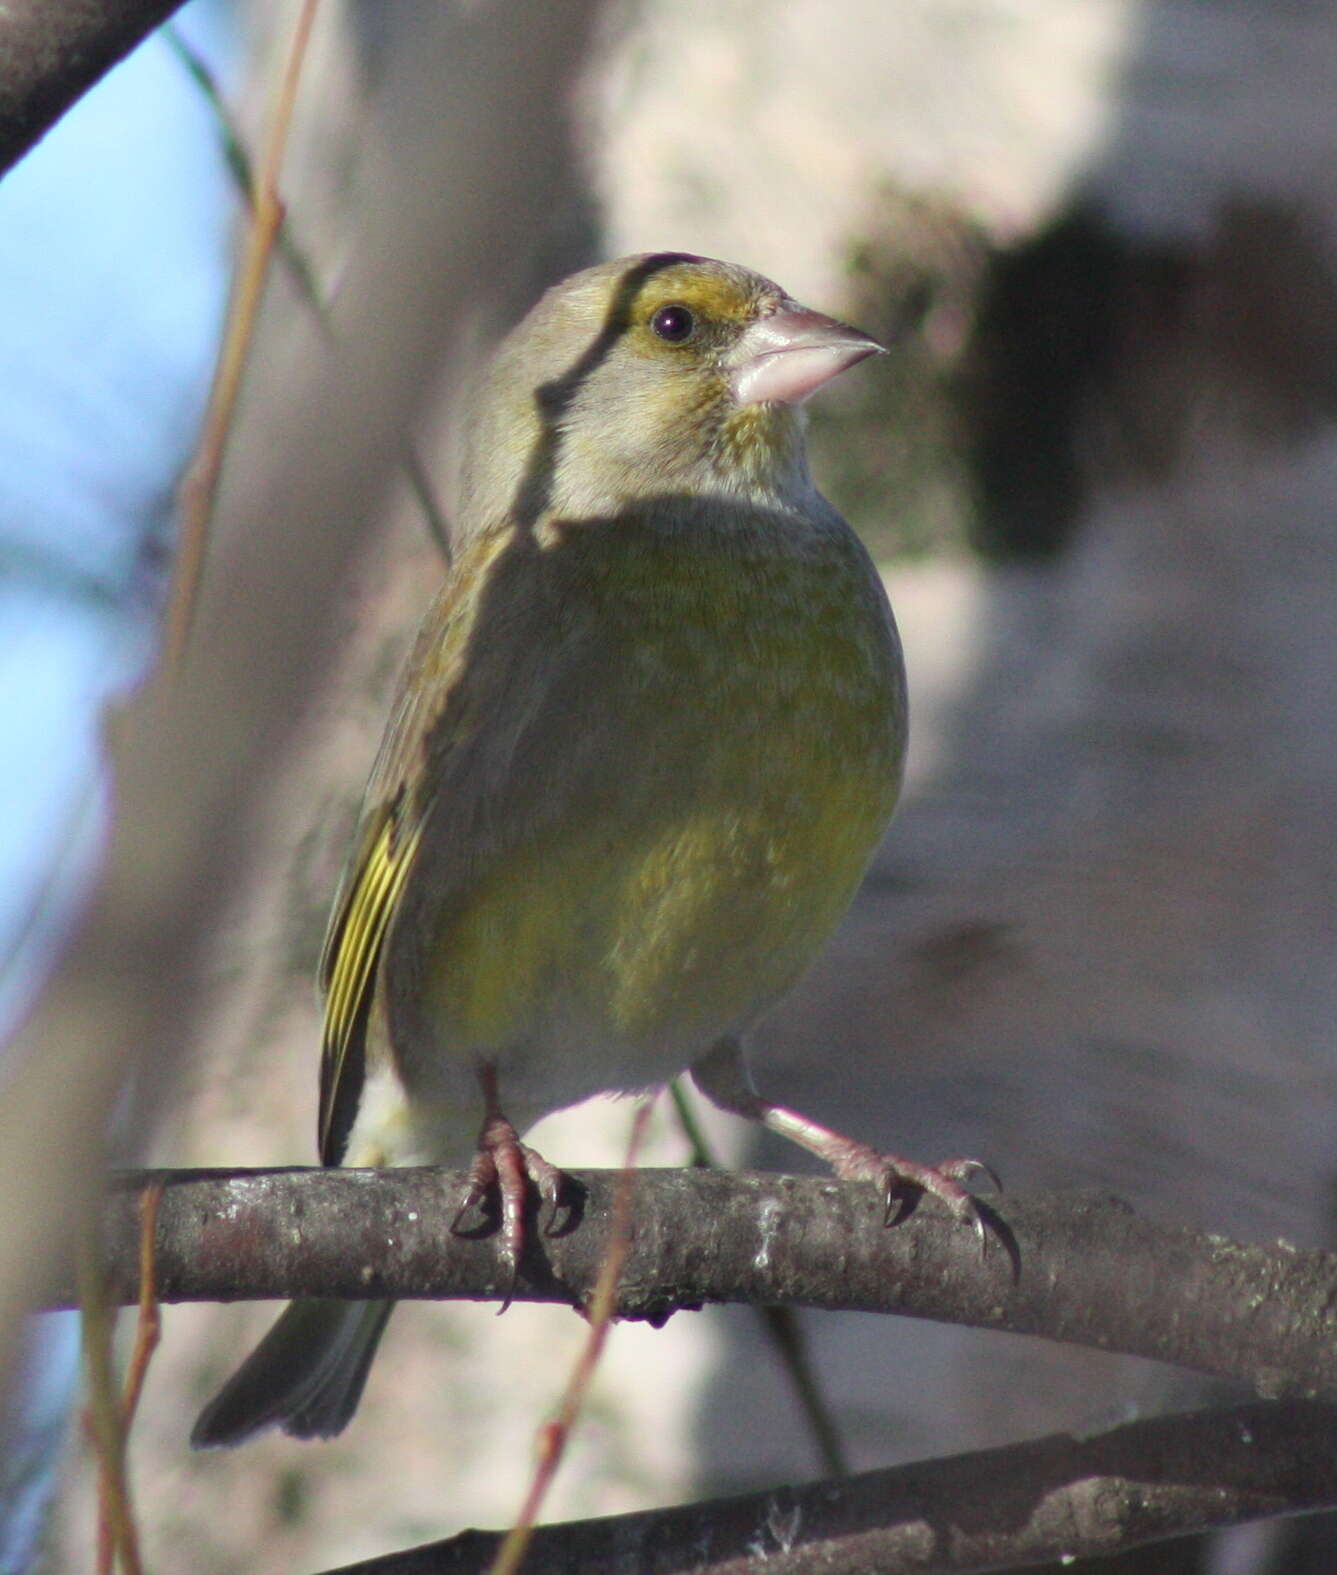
(722, 1076)
(504, 1162)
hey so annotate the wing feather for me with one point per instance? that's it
(395, 809)
(348, 967)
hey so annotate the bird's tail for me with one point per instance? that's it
(305, 1376)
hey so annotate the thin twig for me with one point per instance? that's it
(781, 1328)
(703, 1156)
(199, 488)
(104, 1417)
(420, 484)
(148, 1329)
(784, 1332)
(110, 1416)
(300, 268)
(238, 160)
(555, 1435)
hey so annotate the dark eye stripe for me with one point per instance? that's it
(674, 323)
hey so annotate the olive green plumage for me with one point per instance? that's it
(650, 732)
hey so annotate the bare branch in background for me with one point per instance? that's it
(1057, 1498)
(1075, 1267)
(53, 51)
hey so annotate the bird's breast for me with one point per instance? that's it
(743, 710)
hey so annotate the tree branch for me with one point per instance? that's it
(1075, 1267)
(53, 51)
(996, 1509)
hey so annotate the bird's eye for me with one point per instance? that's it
(673, 324)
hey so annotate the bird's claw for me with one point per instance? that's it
(504, 1162)
(966, 1169)
(945, 1181)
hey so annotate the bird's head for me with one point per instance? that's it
(658, 374)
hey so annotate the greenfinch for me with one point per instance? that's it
(650, 733)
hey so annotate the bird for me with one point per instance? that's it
(650, 733)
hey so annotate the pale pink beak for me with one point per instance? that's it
(786, 357)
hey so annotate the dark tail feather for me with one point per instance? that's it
(305, 1376)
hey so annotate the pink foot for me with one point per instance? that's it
(722, 1077)
(853, 1161)
(504, 1162)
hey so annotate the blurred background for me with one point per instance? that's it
(1099, 468)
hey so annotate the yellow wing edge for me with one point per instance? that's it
(352, 949)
